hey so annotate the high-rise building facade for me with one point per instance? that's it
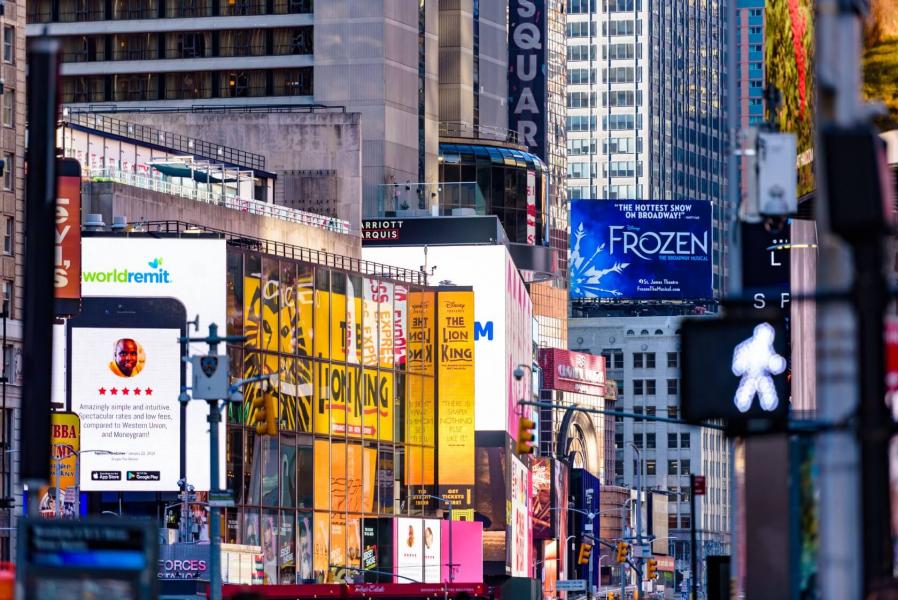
(642, 356)
(749, 70)
(646, 102)
(377, 58)
(12, 255)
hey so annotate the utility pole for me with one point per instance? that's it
(211, 383)
(40, 231)
(852, 386)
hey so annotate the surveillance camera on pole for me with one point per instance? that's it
(776, 184)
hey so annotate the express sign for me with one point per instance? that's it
(573, 371)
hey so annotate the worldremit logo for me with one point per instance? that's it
(155, 274)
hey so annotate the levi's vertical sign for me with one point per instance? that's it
(67, 257)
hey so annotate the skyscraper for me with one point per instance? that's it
(646, 101)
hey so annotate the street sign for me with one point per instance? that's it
(570, 585)
(221, 499)
(698, 485)
(641, 551)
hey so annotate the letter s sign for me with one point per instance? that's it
(483, 330)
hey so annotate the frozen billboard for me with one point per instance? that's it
(641, 249)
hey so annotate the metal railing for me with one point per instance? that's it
(211, 195)
(284, 250)
(463, 129)
(428, 199)
(173, 141)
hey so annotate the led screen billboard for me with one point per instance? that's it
(641, 250)
(502, 320)
(191, 272)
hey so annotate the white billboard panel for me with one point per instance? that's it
(502, 315)
(192, 271)
(417, 548)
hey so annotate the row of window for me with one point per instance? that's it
(191, 44)
(615, 98)
(582, 29)
(190, 85)
(674, 440)
(614, 145)
(680, 467)
(68, 11)
(650, 411)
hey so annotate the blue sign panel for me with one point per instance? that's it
(641, 249)
(526, 73)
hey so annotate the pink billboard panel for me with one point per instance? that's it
(467, 551)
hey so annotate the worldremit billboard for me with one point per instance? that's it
(124, 361)
(641, 250)
(502, 320)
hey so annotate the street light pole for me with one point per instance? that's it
(638, 510)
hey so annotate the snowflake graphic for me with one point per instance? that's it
(585, 276)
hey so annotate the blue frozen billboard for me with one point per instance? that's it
(641, 249)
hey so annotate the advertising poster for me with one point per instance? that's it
(340, 470)
(789, 57)
(59, 498)
(420, 390)
(499, 296)
(519, 546)
(541, 498)
(519, 347)
(126, 398)
(490, 497)
(417, 550)
(304, 547)
(455, 390)
(67, 256)
(191, 271)
(640, 250)
(576, 372)
(270, 546)
(881, 60)
(466, 551)
(531, 207)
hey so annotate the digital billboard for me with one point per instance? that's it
(455, 390)
(641, 250)
(416, 548)
(191, 273)
(521, 529)
(502, 320)
(881, 60)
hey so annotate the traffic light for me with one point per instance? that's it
(525, 435)
(585, 553)
(623, 550)
(265, 417)
(651, 569)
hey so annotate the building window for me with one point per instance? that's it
(672, 412)
(8, 234)
(9, 44)
(684, 440)
(672, 362)
(638, 360)
(649, 360)
(650, 467)
(619, 440)
(638, 387)
(671, 440)
(620, 386)
(684, 467)
(618, 467)
(685, 522)
(7, 299)
(671, 521)
(9, 168)
(650, 387)
(637, 440)
(650, 411)
(650, 440)
(672, 467)
(673, 386)
(638, 410)
(9, 108)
